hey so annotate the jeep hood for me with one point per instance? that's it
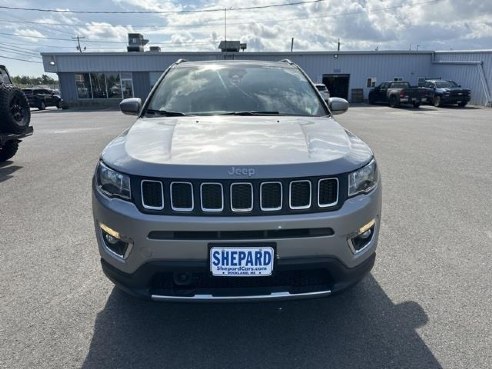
(233, 141)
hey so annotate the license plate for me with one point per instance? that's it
(242, 261)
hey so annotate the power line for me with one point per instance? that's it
(159, 11)
(210, 24)
(53, 46)
(61, 39)
(19, 49)
(24, 60)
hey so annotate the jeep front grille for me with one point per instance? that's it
(241, 197)
(154, 195)
(212, 197)
(226, 197)
(271, 196)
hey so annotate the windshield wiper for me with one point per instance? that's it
(165, 113)
(252, 113)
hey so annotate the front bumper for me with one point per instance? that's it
(455, 99)
(142, 283)
(305, 265)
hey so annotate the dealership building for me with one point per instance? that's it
(107, 77)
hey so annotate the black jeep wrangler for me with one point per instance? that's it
(15, 116)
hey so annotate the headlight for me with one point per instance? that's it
(113, 183)
(363, 180)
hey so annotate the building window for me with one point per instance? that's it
(83, 83)
(104, 85)
(99, 90)
(114, 85)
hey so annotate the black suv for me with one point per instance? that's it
(42, 97)
(447, 92)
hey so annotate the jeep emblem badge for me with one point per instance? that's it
(241, 172)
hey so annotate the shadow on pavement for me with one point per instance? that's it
(6, 170)
(361, 328)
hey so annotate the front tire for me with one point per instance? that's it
(462, 104)
(416, 104)
(8, 150)
(393, 101)
(42, 105)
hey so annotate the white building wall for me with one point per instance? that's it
(471, 69)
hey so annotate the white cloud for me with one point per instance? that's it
(104, 31)
(29, 34)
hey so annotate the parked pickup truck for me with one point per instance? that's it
(15, 116)
(447, 92)
(396, 93)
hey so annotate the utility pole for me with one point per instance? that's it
(292, 44)
(338, 48)
(78, 42)
(225, 26)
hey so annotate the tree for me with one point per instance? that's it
(28, 81)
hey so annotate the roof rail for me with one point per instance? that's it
(287, 61)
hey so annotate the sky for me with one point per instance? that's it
(265, 25)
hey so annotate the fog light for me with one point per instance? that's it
(359, 240)
(114, 242)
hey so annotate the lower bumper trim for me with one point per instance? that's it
(271, 296)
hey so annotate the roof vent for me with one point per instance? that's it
(136, 42)
(230, 46)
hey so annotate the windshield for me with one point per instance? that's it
(446, 84)
(227, 89)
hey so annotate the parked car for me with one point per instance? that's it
(396, 93)
(323, 90)
(41, 98)
(447, 92)
(240, 187)
(15, 116)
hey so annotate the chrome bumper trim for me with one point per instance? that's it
(272, 296)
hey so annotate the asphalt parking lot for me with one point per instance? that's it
(427, 304)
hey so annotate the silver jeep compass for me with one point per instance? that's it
(236, 183)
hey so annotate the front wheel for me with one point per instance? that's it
(463, 104)
(371, 100)
(42, 105)
(416, 104)
(393, 101)
(8, 150)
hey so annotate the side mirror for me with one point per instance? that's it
(338, 105)
(131, 106)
